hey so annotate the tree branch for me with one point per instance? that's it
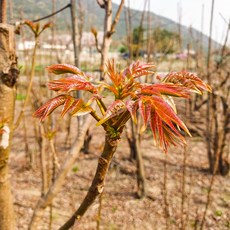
(116, 19)
(97, 185)
(101, 3)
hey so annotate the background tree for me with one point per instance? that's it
(8, 78)
(109, 29)
(164, 41)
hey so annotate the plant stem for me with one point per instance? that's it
(29, 86)
(98, 182)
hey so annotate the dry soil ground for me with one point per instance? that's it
(121, 209)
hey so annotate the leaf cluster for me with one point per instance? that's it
(153, 101)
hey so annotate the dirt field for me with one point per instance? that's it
(120, 207)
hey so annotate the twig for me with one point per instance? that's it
(54, 13)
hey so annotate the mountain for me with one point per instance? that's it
(94, 16)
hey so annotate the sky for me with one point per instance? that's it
(191, 13)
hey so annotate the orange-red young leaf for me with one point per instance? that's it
(138, 69)
(65, 68)
(188, 80)
(35, 27)
(113, 74)
(46, 26)
(46, 109)
(78, 105)
(132, 107)
(166, 113)
(145, 110)
(168, 89)
(82, 111)
(71, 83)
(115, 109)
(163, 135)
(70, 104)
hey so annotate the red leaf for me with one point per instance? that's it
(71, 83)
(115, 109)
(138, 69)
(165, 89)
(70, 103)
(65, 68)
(145, 110)
(113, 74)
(46, 109)
(132, 107)
(166, 113)
(188, 80)
(77, 106)
(162, 134)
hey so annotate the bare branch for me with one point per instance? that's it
(101, 3)
(116, 19)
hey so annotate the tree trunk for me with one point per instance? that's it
(107, 36)
(8, 77)
(98, 182)
(109, 28)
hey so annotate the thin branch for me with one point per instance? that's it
(48, 16)
(101, 3)
(98, 182)
(117, 17)
(54, 13)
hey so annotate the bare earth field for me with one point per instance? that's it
(120, 207)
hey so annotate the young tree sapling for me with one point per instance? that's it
(153, 101)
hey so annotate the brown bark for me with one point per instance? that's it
(2, 11)
(109, 28)
(8, 77)
(98, 182)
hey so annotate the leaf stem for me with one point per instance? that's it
(97, 185)
(101, 106)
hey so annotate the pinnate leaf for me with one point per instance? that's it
(188, 80)
(64, 68)
(132, 107)
(46, 109)
(115, 109)
(138, 69)
(168, 89)
(71, 83)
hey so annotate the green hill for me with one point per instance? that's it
(94, 15)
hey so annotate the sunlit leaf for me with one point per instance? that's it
(77, 106)
(138, 69)
(113, 74)
(132, 107)
(165, 89)
(188, 80)
(115, 109)
(46, 109)
(145, 110)
(167, 114)
(82, 111)
(64, 68)
(70, 104)
(71, 83)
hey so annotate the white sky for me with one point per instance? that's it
(191, 13)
